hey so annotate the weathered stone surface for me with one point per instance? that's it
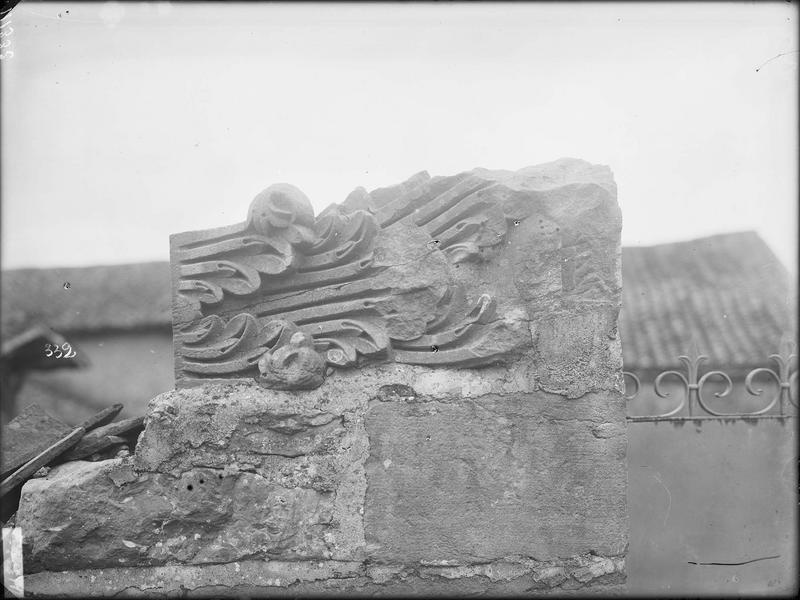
(220, 474)
(476, 480)
(314, 441)
(510, 577)
(203, 516)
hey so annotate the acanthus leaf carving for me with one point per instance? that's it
(214, 347)
(345, 340)
(285, 296)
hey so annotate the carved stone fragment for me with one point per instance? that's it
(295, 365)
(415, 273)
(461, 428)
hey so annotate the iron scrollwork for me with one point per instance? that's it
(784, 377)
(692, 382)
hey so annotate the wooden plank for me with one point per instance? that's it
(103, 417)
(25, 472)
(98, 440)
(120, 427)
(86, 447)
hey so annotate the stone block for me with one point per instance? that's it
(472, 481)
(220, 474)
(202, 516)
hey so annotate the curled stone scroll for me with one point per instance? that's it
(287, 297)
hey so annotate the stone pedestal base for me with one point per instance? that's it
(402, 480)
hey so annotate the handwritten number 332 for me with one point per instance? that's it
(65, 351)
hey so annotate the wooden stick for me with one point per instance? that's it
(87, 447)
(25, 472)
(97, 439)
(104, 416)
(119, 427)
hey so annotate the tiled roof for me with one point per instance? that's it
(104, 297)
(727, 292)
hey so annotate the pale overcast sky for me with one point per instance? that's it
(123, 123)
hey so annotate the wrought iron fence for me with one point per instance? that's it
(694, 407)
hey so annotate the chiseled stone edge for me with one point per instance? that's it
(593, 574)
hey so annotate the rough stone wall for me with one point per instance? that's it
(393, 478)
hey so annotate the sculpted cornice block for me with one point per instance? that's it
(436, 271)
(461, 414)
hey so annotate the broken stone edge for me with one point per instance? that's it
(598, 575)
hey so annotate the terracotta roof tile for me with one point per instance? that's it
(103, 297)
(729, 292)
